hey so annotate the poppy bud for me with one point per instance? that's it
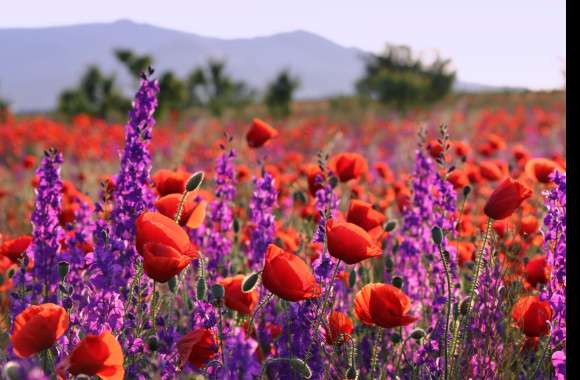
(301, 367)
(396, 338)
(390, 226)
(12, 371)
(464, 307)
(397, 282)
(172, 283)
(352, 278)
(351, 373)
(437, 235)
(201, 289)
(63, 267)
(194, 182)
(217, 290)
(466, 191)
(260, 132)
(250, 282)
(418, 334)
(153, 343)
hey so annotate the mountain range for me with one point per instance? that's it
(38, 63)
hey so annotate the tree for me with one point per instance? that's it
(172, 94)
(279, 94)
(96, 95)
(213, 88)
(395, 77)
(135, 64)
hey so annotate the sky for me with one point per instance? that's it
(494, 42)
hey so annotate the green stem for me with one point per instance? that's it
(154, 307)
(448, 309)
(399, 356)
(375, 354)
(322, 311)
(471, 298)
(180, 206)
(260, 305)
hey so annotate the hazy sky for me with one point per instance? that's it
(496, 42)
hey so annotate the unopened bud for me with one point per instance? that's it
(63, 267)
(466, 190)
(12, 371)
(418, 334)
(397, 282)
(301, 367)
(437, 235)
(250, 282)
(172, 283)
(194, 182)
(396, 338)
(351, 373)
(218, 291)
(201, 289)
(390, 226)
(153, 344)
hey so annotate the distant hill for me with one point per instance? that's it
(38, 63)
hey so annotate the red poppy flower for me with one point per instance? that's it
(506, 198)
(288, 276)
(14, 248)
(529, 225)
(165, 247)
(197, 347)
(532, 316)
(384, 172)
(434, 148)
(37, 328)
(537, 271)
(491, 171)
(339, 328)
(349, 242)
(458, 179)
(260, 132)
(364, 215)
(237, 300)
(540, 169)
(499, 226)
(383, 305)
(193, 213)
(95, 355)
(348, 166)
(314, 177)
(170, 182)
(465, 252)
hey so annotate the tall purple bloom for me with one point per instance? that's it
(261, 205)
(555, 292)
(133, 193)
(41, 282)
(217, 239)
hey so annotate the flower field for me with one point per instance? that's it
(424, 246)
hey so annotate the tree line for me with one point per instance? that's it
(394, 77)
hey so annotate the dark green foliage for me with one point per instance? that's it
(279, 94)
(211, 87)
(397, 78)
(96, 95)
(135, 64)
